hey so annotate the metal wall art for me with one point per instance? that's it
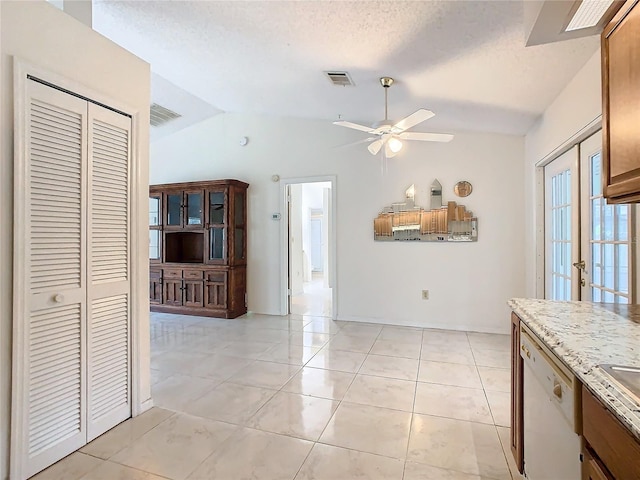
(441, 223)
(463, 189)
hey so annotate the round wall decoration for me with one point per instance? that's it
(463, 188)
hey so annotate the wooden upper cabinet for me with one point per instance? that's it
(183, 209)
(621, 105)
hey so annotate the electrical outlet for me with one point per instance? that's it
(425, 294)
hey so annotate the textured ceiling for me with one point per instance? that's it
(466, 61)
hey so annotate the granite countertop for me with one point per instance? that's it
(584, 335)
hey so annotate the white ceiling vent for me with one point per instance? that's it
(161, 115)
(341, 79)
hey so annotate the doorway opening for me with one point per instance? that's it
(309, 247)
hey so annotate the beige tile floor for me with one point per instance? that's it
(301, 397)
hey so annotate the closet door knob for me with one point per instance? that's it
(58, 298)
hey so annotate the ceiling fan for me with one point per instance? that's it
(389, 135)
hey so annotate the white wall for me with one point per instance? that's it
(43, 35)
(579, 103)
(376, 281)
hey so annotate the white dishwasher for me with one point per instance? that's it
(551, 418)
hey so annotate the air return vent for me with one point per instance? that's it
(342, 79)
(161, 115)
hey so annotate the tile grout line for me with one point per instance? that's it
(413, 408)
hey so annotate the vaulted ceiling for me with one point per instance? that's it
(466, 61)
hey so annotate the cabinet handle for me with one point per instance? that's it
(58, 298)
(526, 351)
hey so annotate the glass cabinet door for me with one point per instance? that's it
(154, 244)
(174, 209)
(154, 211)
(217, 250)
(216, 208)
(238, 220)
(193, 208)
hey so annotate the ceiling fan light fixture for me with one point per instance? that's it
(395, 145)
(375, 147)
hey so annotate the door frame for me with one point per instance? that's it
(284, 240)
(140, 344)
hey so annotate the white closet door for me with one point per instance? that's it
(109, 383)
(49, 355)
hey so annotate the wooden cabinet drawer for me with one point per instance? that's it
(215, 276)
(192, 274)
(609, 439)
(172, 273)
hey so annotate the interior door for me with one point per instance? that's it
(109, 328)
(50, 254)
(562, 227)
(606, 251)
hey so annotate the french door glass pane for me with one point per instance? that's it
(609, 243)
(596, 233)
(174, 205)
(561, 235)
(622, 230)
(596, 175)
(609, 224)
(608, 266)
(194, 209)
(622, 262)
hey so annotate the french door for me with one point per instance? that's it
(561, 226)
(588, 250)
(606, 250)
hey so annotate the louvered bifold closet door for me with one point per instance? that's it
(109, 382)
(49, 387)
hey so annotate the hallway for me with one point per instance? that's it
(316, 299)
(267, 397)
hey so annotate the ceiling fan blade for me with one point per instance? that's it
(415, 118)
(350, 144)
(355, 126)
(426, 137)
(375, 147)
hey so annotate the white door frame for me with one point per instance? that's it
(284, 240)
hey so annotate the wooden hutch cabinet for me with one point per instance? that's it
(198, 248)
